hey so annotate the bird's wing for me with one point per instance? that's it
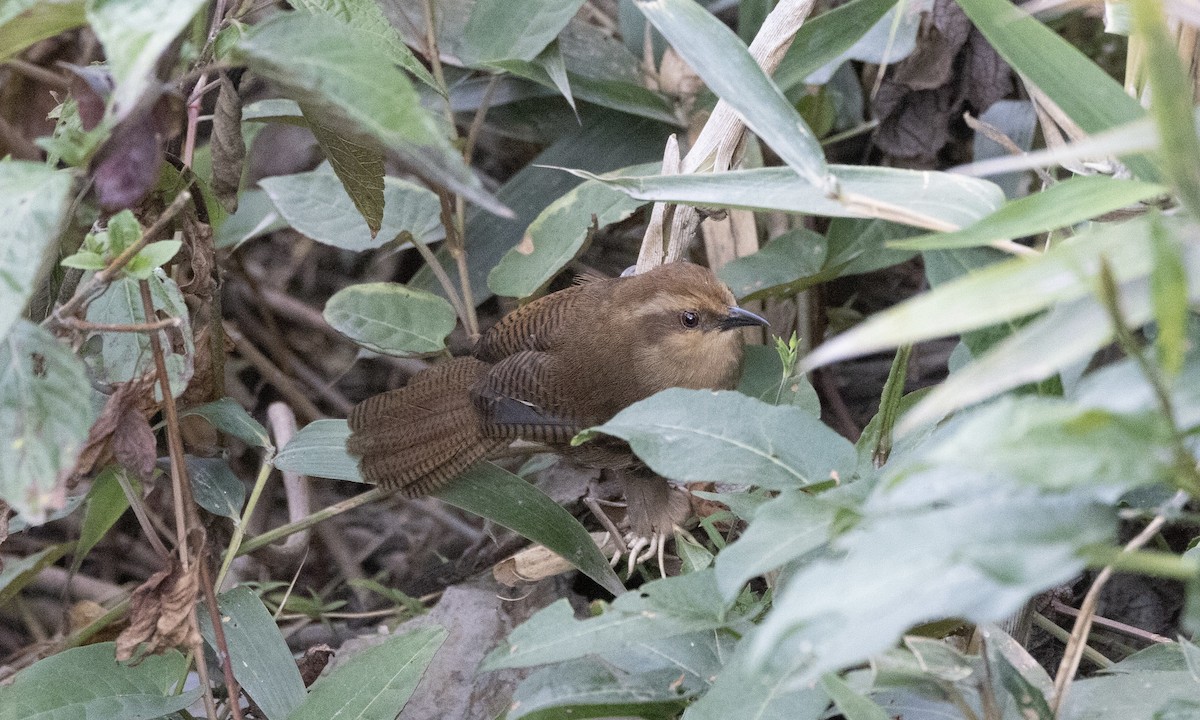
(516, 401)
(535, 326)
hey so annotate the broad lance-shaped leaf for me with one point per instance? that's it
(728, 69)
(260, 658)
(33, 199)
(997, 506)
(787, 264)
(491, 492)
(135, 35)
(701, 435)
(375, 683)
(1069, 333)
(513, 29)
(822, 39)
(785, 528)
(366, 19)
(1061, 205)
(1001, 292)
(44, 417)
(662, 608)
(391, 318)
(743, 690)
(359, 167)
(317, 204)
(558, 234)
(933, 200)
(356, 90)
(88, 682)
(319, 449)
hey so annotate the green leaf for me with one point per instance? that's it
(135, 35)
(1170, 103)
(216, 488)
(1001, 292)
(316, 204)
(125, 356)
(593, 688)
(44, 418)
(33, 201)
(825, 37)
(123, 231)
(785, 528)
(558, 234)
(763, 379)
(231, 418)
(1063, 204)
(391, 318)
(1079, 86)
(1069, 333)
(488, 238)
(366, 19)
(261, 660)
(88, 682)
(154, 255)
(851, 704)
(25, 22)
(19, 572)
(376, 683)
(1169, 293)
(497, 495)
(1131, 697)
(662, 608)
(787, 264)
(929, 199)
(701, 435)
(106, 503)
(359, 168)
(256, 215)
(513, 29)
(743, 691)
(1028, 693)
(84, 261)
(725, 65)
(999, 504)
(357, 92)
(319, 450)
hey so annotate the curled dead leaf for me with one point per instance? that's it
(160, 613)
(129, 400)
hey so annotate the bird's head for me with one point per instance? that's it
(687, 320)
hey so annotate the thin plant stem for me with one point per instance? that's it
(283, 531)
(239, 531)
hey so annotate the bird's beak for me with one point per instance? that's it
(738, 317)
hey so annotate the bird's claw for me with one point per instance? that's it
(640, 549)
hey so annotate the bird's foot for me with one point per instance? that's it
(640, 549)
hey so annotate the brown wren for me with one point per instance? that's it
(546, 371)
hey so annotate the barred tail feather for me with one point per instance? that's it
(416, 439)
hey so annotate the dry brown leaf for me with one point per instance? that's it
(921, 98)
(227, 144)
(133, 443)
(160, 613)
(126, 398)
(313, 663)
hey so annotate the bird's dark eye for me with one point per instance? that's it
(689, 318)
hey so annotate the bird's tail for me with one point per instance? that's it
(419, 437)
